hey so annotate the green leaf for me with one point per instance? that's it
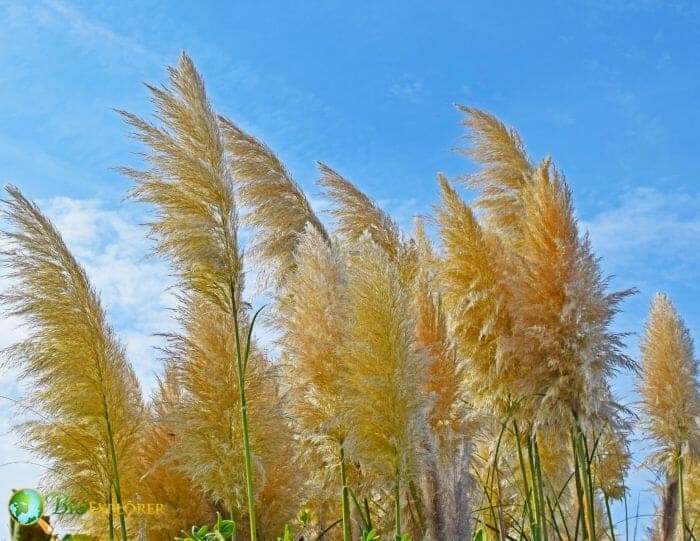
(371, 535)
(480, 535)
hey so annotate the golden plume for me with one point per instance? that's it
(312, 318)
(387, 408)
(278, 209)
(505, 168)
(669, 386)
(445, 474)
(473, 296)
(355, 213)
(207, 419)
(561, 313)
(225, 399)
(83, 388)
(671, 406)
(163, 481)
(444, 373)
(190, 185)
(612, 462)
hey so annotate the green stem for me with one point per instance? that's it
(555, 525)
(244, 418)
(115, 469)
(347, 527)
(366, 524)
(586, 483)
(539, 483)
(110, 525)
(681, 497)
(397, 497)
(589, 480)
(610, 520)
(523, 469)
(579, 488)
(369, 517)
(537, 504)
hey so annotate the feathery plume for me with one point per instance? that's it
(312, 318)
(473, 294)
(207, 418)
(669, 382)
(612, 461)
(388, 409)
(444, 374)
(505, 168)
(83, 387)
(195, 227)
(190, 186)
(355, 213)
(561, 313)
(279, 210)
(163, 481)
(671, 405)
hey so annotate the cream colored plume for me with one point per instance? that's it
(387, 408)
(505, 169)
(669, 384)
(278, 210)
(195, 227)
(190, 186)
(81, 385)
(355, 213)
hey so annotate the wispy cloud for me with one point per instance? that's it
(111, 246)
(651, 232)
(86, 32)
(408, 87)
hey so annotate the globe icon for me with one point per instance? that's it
(26, 506)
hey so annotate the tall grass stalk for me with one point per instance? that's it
(347, 527)
(70, 351)
(397, 506)
(610, 519)
(523, 470)
(115, 468)
(540, 533)
(242, 362)
(681, 497)
(584, 484)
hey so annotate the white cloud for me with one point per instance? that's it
(86, 32)
(652, 232)
(111, 246)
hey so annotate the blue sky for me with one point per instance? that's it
(610, 89)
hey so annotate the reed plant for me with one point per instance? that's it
(453, 382)
(85, 397)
